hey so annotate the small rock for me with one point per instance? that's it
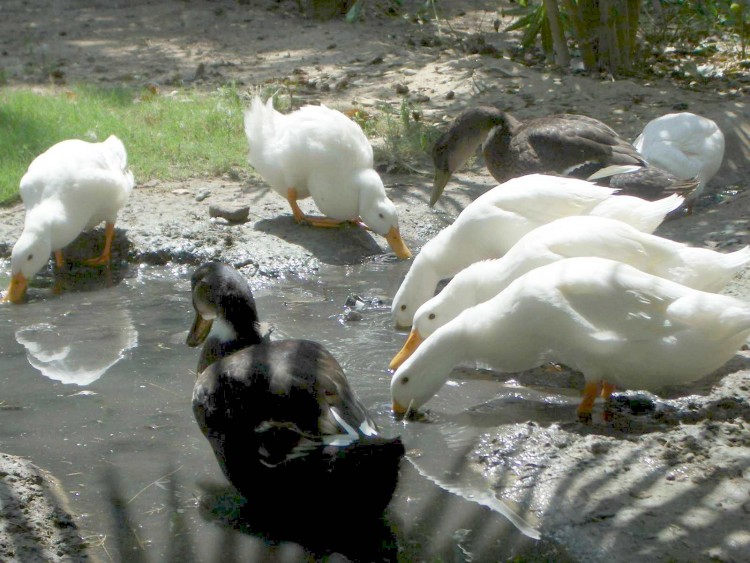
(377, 60)
(203, 194)
(598, 448)
(352, 316)
(421, 99)
(200, 72)
(408, 72)
(681, 106)
(230, 213)
(180, 192)
(402, 89)
(450, 95)
(341, 84)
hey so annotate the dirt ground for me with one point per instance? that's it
(669, 483)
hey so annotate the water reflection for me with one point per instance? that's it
(78, 345)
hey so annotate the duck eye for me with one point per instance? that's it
(30, 257)
(403, 307)
(432, 316)
(404, 381)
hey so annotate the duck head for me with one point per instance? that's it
(454, 147)
(30, 253)
(221, 295)
(417, 381)
(379, 213)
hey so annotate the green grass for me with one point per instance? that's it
(173, 137)
(407, 140)
(170, 138)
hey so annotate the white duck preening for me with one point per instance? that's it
(71, 187)
(612, 322)
(685, 145)
(585, 235)
(319, 152)
(490, 225)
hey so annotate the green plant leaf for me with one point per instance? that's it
(355, 12)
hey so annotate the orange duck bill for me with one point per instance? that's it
(411, 344)
(397, 243)
(17, 289)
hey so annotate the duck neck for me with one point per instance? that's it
(238, 327)
(497, 144)
(227, 337)
(371, 195)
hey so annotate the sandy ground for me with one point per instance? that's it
(669, 483)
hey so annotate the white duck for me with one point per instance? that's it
(71, 187)
(684, 144)
(585, 235)
(612, 322)
(319, 152)
(490, 225)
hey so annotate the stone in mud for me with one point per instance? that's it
(233, 214)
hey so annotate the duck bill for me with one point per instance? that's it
(17, 289)
(199, 331)
(411, 344)
(441, 179)
(397, 243)
(398, 409)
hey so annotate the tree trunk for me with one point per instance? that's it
(590, 43)
(560, 46)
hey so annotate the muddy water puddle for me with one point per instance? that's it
(97, 385)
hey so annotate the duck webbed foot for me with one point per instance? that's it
(590, 392)
(106, 255)
(301, 218)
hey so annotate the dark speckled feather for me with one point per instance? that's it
(564, 144)
(281, 415)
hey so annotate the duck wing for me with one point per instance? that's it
(278, 401)
(573, 145)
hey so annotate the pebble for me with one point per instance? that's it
(402, 89)
(203, 194)
(230, 213)
(598, 448)
(352, 316)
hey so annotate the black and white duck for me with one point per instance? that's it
(280, 415)
(563, 144)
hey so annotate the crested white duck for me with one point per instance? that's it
(72, 186)
(585, 235)
(617, 325)
(490, 225)
(319, 152)
(280, 416)
(565, 144)
(685, 145)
